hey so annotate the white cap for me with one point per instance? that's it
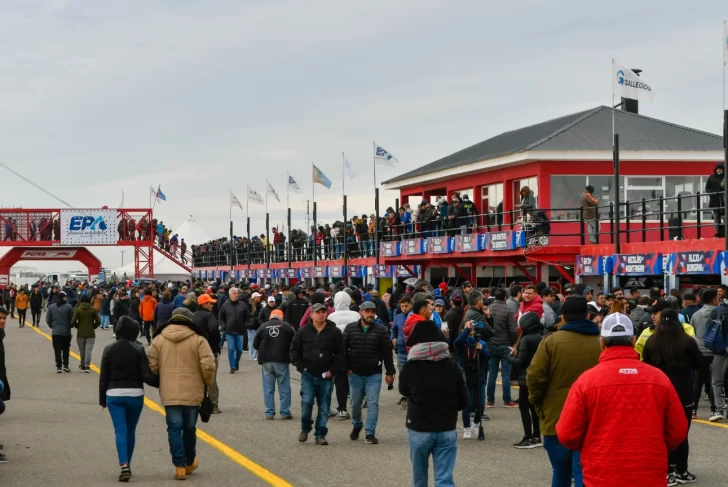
(256, 295)
(271, 299)
(267, 286)
(614, 320)
(170, 286)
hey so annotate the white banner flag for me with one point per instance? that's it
(272, 191)
(234, 201)
(725, 42)
(626, 83)
(254, 196)
(348, 170)
(293, 185)
(383, 156)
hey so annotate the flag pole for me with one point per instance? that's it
(288, 185)
(615, 161)
(343, 174)
(374, 163)
(313, 197)
(725, 46)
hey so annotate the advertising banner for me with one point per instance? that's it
(638, 264)
(48, 254)
(468, 243)
(696, 262)
(354, 270)
(88, 227)
(306, 272)
(589, 265)
(336, 271)
(380, 270)
(319, 271)
(389, 249)
(440, 245)
(291, 273)
(414, 246)
(506, 240)
(400, 271)
(267, 273)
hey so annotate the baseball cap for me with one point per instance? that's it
(659, 305)
(271, 299)
(317, 307)
(439, 302)
(267, 286)
(466, 284)
(205, 298)
(256, 295)
(170, 286)
(276, 312)
(367, 305)
(617, 320)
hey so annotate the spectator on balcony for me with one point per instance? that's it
(405, 219)
(458, 218)
(471, 211)
(32, 230)
(588, 203)
(57, 229)
(715, 187)
(441, 216)
(528, 201)
(426, 218)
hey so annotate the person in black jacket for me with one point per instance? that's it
(317, 352)
(458, 218)
(205, 319)
(367, 347)
(454, 317)
(36, 304)
(521, 357)
(124, 371)
(121, 307)
(273, 342)
(714, 186)
(252, 324)
(296, 309)
(435, 390)
(381, 308)
(471, 354)
(233, 317)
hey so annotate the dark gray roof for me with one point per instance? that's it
(590, 130)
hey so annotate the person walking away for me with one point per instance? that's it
(105, 312)
(233, 317)
(179, 299)
(36, 304)
(85, 319)
(124, 371)
(472, 359)
(163, 310)
(367, 347)
(505, 335)
(674, 352)
(182, 358)
(146, 312)
(588, 204)
(699, 322)
(716, 201)
(521, 356)
(121, 306)
(4, 383)
(435, 390)
(296, 309)
(253, 322)
(317, 352)
(58, 319)
(560, 359)
(206, 320)
(396, 335)
(341, 317)
(21, 304)
(134, 303)
(598, 416)
(273, 342)
(654, 312)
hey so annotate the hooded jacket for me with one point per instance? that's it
(146, 308)
(183, 359)
(163, 312)
(699, 322)
(36, 300)
(85, 319)
(295, 311)
(124, 363)
(208, 322)
(535, 306)
(714, 184)
(467, 358)
(409, 325)
(527, 346)
(342, 315)
(58, 318)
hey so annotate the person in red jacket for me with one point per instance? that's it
(532, 302)
(618, 446)
(421, 311)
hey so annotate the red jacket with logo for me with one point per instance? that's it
(535, 306)
(624, 416)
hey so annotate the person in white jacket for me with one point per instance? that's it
(342, 316)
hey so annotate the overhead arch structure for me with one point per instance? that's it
(79, 254)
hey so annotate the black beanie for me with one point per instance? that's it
(425, 332)
(318, 297)
(529, 321)
(590, 189)
(574, 308)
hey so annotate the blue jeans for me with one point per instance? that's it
(253, 352)
(235, 350)
(359, 386)
(471, 404)
(443, 447)
(498, 356)
(181, 431)
(564, 463)
(276, 372)
(318, 389)
(125, 412)
(105, 320)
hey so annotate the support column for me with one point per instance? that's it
(545, 273)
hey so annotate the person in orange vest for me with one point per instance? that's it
(21, 303)
(146, 311)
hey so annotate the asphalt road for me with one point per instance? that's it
(55, 434)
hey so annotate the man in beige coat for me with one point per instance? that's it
(184, 361)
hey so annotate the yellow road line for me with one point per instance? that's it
(232, 454)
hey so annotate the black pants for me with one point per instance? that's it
(61, 345)
(148, 329)
(21, 316)
(679, 456)
(341, 382)
(36, 316)
(529, 418)
(701, 378)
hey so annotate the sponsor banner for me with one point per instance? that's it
(389, 249)
(379, 270)
(336, 271)
(288, 273)
(306, 272)
(440, 245)
(88, 227)
(468, 243)
(354, 270)
(400, 271)
(415, 246)
(48, 254)
(266, 273)
(638, 264)
(4, 279)
(589, 265)
(506, 240)
(204, 274)
(695, 262)
(319, 271)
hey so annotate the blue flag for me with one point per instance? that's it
(161, 195)
(320, 177)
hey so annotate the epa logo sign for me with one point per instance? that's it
(89, 227)
(87, 223)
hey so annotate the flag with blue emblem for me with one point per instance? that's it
(272, 191)
(293, 185)
(157, 193)
(320, 177)
(383, 156)
(627, 84)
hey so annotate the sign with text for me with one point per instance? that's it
(389, 249)
(468, 243)
(401, 271)
(697, 262)
(638, 264)
(319, 271)
(267, 273)
(88, 227)
(414, 246)
(288, 273)
(506, 240)
(306, 272)
(336, 271)
(589, 265)
(379, 270)
(440, 245)
(354, 270)
(48, 254)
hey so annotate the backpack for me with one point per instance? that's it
(714, 338)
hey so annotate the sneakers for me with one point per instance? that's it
(283, 418)
(191, 468)
(716, 417)
(66, 369)
(537, 441)
(484, 417)
(467, 433)
(489, 405)
(3, 458)
(269, 418)
(371, 440)
(355, 433)
(216, 410)
(333, 412)
(87, 370)
(475, 428)
(685, 478)
(343, 415)
(526, 444)
(671, 480)
(302, 436)
(125, 474)
(58, 370)
(322, 441)
(510, 405)
(180, 473)
(695, 414)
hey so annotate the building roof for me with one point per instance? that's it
(590, 130)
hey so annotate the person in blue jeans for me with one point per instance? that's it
(317, 352)
(499, 356)
(367, 347)
(273, 342)
(233, 317)
(397, 335)
(124, 370)
(435, 388)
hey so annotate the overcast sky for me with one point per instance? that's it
(207, 97)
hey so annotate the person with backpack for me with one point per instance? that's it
(700, 321)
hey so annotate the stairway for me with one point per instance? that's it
(176, 258)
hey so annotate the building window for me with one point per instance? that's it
(565, 193)
(519, 184)
(492, 203)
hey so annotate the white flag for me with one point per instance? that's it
(234, 201)
(627, 84)
(725, 42)
(293, 185)
(383, 156)
(272, 191)
(254, 196)
(348, 170)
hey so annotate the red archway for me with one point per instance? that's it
(80, 254)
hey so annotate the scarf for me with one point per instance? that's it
(433, 351)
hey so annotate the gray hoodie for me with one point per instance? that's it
(699, 322)
(58, 318)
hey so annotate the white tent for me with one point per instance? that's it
(164, 269)
(191, 232)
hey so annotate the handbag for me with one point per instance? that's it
(206, 407)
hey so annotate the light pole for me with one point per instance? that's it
(122, 257)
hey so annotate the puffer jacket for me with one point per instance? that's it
(366, 351)
(527, 346)
(36, 301)
(476, 315)
(163, 312)
(21, 301)
(58, 318)
(714, 184)
(146, 308)
(599, 416)
(183, 359)
(85, 319)
(699, 322)
(641, 319)
(535, 306)
(505, 327)
(342, 315)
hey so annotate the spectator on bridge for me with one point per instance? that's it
(588, 204)
(22, 303)
(58, 318)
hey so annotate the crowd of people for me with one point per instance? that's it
(582, 361)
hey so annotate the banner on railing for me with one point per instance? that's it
(88, 227)
(354, 270)
(590, 265)
(288, 273)
(306, 272)
(213, 274)
(468, 243)
(401, 271)
(266, 273)
(440, 245)
(637, 264)
(379, 270)
(506, 240)
(696, 262)
(319, 271)
(336, 271)
(249, 274)
(390, 249)
(415, 246)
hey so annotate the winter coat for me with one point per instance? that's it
(146, 308)
(96, 302)
(714, 184)
(5, 394)
(505, 326)
(397, 332)
(699, 322)
(182, 358)
(163, 312)
(535, 306)
(527, 346)
(207, 321)
(58, 318)
(454, 320)
(467, 358)
(319, 352)
(588, 203)
(641, 319)
(21, 301)
(234, 317)
(639, 345)
(528, 202)
(599, 417)
(476, 315)
(273, 342)
(36, 301)
(134, 303)
(105, 306)
(295, 311)
(680, 374)
(366, 351)
(85, 319)
(342, 315)
(121, 308)
(560, 359)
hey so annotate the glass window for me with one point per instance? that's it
(532, 184)
(686, 187)
(644, 181)
(492, 202)
(565, 193)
